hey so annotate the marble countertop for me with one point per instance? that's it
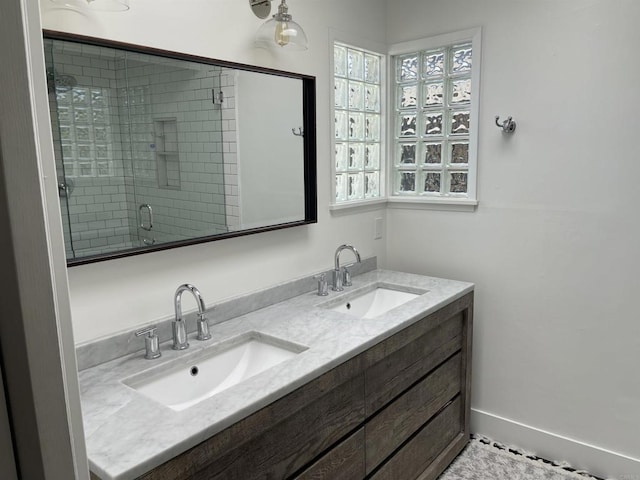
(128, 434)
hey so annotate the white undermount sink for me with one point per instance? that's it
(374, 302)
(185, 382)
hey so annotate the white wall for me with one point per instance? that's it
(554, 244)
(270, 156)
(122, 294)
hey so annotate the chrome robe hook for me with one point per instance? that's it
(507, 126)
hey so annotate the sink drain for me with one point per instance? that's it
(194, 371)
(348, 306)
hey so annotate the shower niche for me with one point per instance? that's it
(166, 152)
(148, 154)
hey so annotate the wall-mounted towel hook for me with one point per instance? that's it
(299, 132)
(508, 126)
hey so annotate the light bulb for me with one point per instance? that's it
(282, 33)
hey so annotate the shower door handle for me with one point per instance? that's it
(65, 187)
(148, 226)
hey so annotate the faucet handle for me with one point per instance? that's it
(323, 286)
(151, 342)
(203, 328)
(346, 276)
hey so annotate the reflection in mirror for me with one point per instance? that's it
(156, 150)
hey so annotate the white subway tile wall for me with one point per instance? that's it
(157, 138)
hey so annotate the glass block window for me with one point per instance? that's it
(85, 131)
(358, 128)
(433, 131)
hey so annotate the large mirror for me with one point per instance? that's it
(157, 150)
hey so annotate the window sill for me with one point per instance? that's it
(422, 203)
(412, 203)
(358, 206)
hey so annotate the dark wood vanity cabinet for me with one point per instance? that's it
(399, 410)
(417, 395)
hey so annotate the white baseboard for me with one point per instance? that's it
(597, 461)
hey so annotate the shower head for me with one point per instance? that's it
(57, 81)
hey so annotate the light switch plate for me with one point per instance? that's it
(377, 228)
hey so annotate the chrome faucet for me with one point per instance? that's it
(341, 275)
(179, 328)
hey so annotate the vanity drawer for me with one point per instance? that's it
(343, 462)
(425, 447)
(399, 420)
(409, 355)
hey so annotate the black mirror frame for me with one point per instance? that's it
(309, 126)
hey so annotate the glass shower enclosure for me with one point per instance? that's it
(139, 147)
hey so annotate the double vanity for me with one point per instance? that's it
(369, 382)
(367, 379)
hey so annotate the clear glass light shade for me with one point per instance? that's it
(100, 5)
(284, 34)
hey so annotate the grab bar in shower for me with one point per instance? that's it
(149, 225)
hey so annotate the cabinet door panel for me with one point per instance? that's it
(287, 447)
(396, 372)
(344, 462)
(398, 421)
(425, 447)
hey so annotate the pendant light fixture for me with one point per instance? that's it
(280, 30)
